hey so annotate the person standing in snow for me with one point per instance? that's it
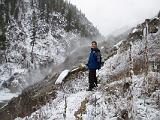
(94, 63)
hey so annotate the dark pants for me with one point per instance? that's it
(92, 79)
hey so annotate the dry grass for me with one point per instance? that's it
(81, 110)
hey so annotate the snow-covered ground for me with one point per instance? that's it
(98, 104)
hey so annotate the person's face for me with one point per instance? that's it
(93, 45)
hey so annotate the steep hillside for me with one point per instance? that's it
(128, 89)
(36, 34)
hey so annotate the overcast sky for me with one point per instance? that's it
(112, 15)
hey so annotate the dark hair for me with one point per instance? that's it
(94, 42)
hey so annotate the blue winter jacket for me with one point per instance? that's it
(94, 60)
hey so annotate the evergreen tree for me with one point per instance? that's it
(3, 41)
(69, 20)
(34, 30)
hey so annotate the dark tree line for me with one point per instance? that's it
(3, 41)
(7, 8)
(71, 14)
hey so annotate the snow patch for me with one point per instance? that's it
(73, 103)
(6, 95)
(62, 77)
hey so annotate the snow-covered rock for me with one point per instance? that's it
(62, 76)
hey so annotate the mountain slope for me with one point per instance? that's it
(128, 90)
(36, 34)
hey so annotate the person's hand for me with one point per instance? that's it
(86, 67)
(83, 66)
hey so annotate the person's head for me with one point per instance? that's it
(94, 44)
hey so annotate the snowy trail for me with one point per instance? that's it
(75, 103)
(69, 102)
(105, 103)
